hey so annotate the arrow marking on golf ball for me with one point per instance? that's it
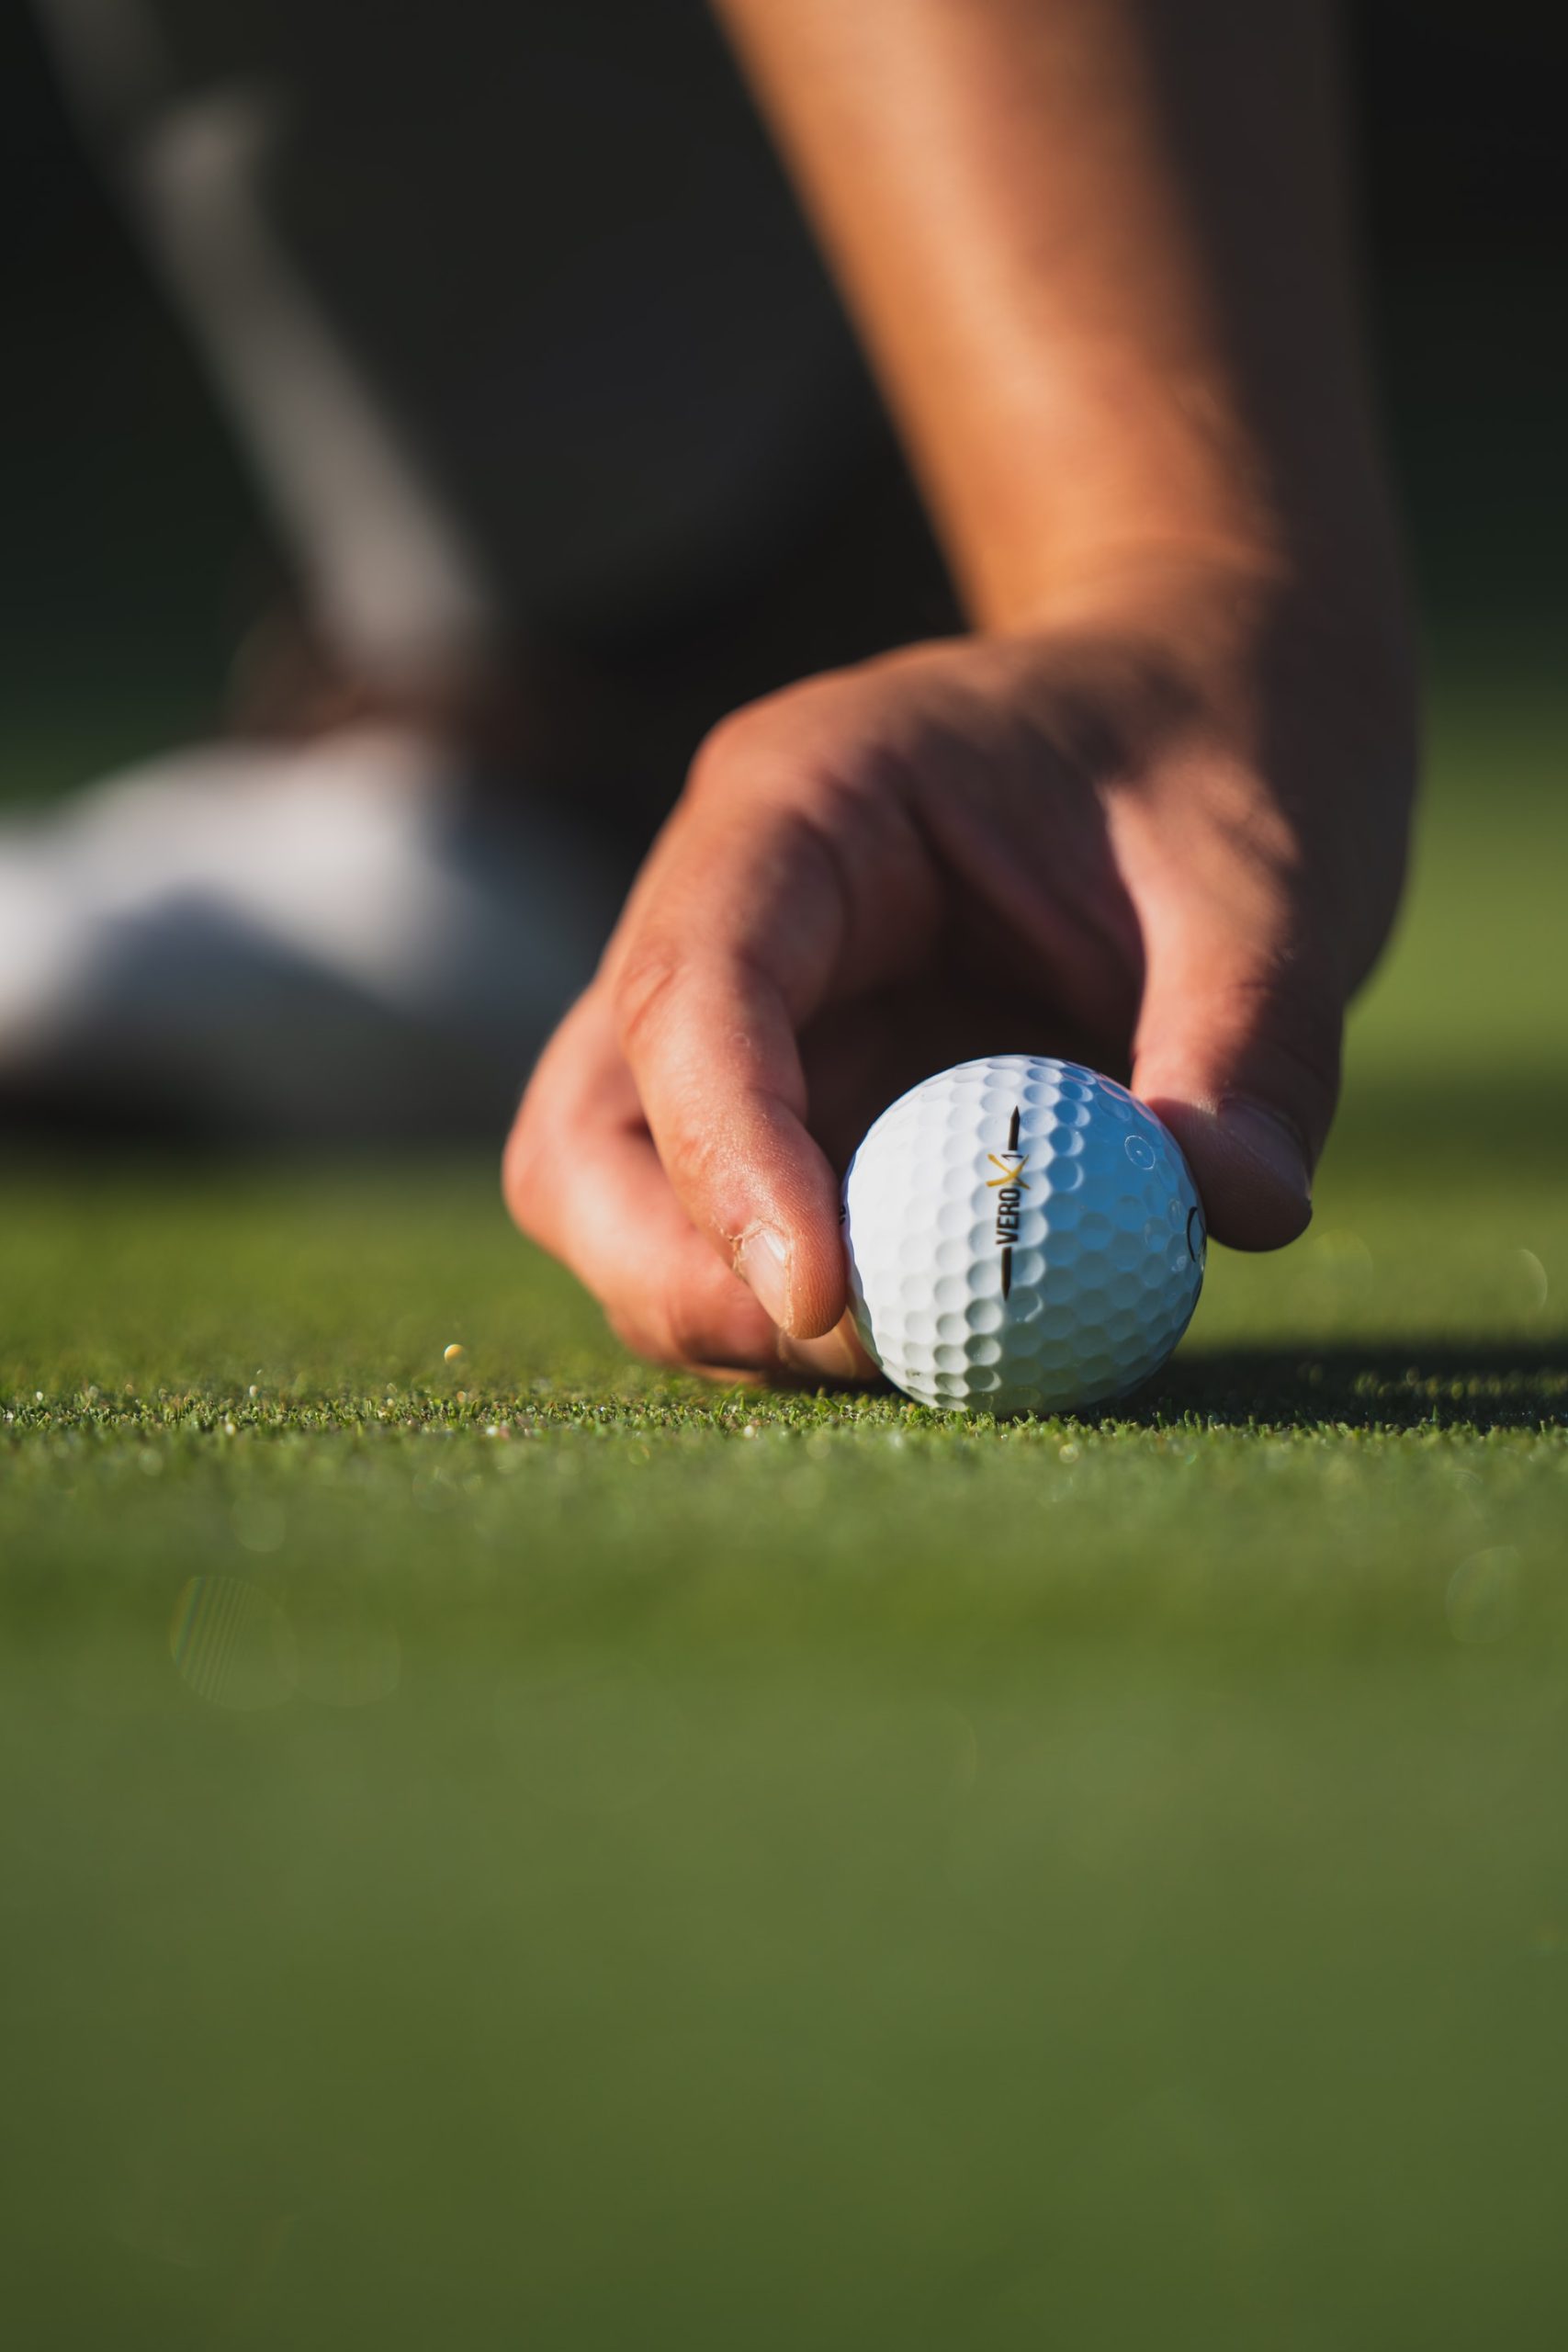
(1007, 1188)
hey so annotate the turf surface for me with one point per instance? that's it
(515, 1849)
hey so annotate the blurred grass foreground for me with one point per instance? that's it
(506, 1847)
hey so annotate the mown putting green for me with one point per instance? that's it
(517, 1848)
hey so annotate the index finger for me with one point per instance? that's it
(727, 949)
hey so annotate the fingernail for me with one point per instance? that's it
(763, 1262)
(832, 1357)
(1272, 1142)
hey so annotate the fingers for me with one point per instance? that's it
(581, 1176)
(727, 950)
(1238, 1049)
(584, 1179)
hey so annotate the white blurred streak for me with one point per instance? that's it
(391, 580)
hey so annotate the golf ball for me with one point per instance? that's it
(1024, 1236)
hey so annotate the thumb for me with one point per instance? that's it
(1237, 1051)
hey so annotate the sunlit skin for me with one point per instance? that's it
(1153, 810)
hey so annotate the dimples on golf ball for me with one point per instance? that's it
(1023, 1238)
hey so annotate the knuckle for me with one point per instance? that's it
(779, 736)
(646, 982)
(1294, 1024)
(733, 740)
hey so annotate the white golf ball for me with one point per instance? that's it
(1024, 1236)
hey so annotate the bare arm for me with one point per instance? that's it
(1096, 249)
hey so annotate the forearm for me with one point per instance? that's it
(1095, 248)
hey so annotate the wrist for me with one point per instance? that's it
(1108, 464)
(1199, 581)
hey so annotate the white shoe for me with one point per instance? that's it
(324, 941)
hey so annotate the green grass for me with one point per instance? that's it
(523, 1850)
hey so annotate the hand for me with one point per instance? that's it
(1163, 833)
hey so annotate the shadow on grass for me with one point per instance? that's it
(1403, 1384)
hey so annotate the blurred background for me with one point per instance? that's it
(134, 553)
